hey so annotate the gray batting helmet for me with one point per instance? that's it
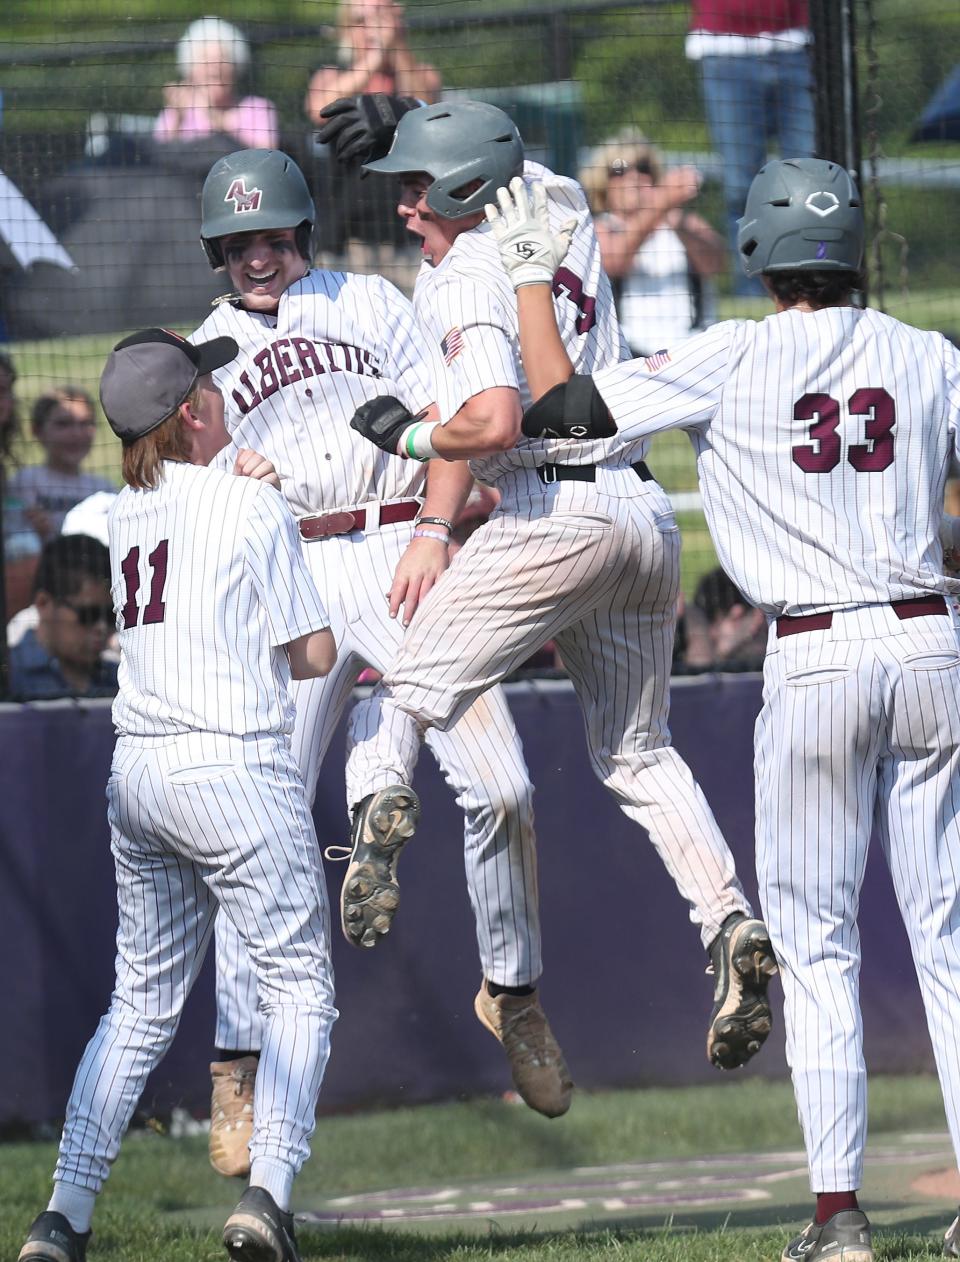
(254, 190)
(457, 142)
(802, 215)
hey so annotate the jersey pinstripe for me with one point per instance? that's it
(823, 440)
(593, 565)
(337, 340)
(788, 417)
(241, 601)
(207, 810)
(467, 306)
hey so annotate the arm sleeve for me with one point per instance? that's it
(163, 127)
(256, 123)
(476, 340)
(410, 360)
(286, 590)
(679, 389)
(951, 372)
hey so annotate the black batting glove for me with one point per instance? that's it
(383, 420)
(574, 409)
(360, 129)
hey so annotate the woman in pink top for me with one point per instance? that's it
(211, 56)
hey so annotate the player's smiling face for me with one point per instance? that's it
(262, 265)
(436, 233)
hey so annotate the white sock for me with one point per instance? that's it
(75, 1204)
(275, 1177)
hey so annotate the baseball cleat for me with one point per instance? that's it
(52, 1239)
(257, 1231)
(742, 962)
(382, 825)
(951, 1241)
(231, 1114)
(539, 1071)
(843, 1238)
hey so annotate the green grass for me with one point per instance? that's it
(157, 1177)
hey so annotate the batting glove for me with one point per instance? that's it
(360, 128)
(529, 249)
(394, 428)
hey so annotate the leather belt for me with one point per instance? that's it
(323, 525)
(915, 607)
(549, 473)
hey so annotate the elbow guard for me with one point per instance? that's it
(573, 409)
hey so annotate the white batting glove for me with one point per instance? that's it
(529, 249)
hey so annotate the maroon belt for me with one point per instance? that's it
(323, 525)
(915, 607)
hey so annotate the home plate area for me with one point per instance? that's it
(653, 1190)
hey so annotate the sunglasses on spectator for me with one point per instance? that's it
(619, 166)
(90, 615)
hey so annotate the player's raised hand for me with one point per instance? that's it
(360, 128)
(250, 464)
(529, 249)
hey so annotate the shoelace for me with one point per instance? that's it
(337, 854)
(527, 1028)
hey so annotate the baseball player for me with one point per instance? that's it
(584, 550)
(823, 437)
(313, 346)
(215, 613)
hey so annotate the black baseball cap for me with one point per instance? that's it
(149, 374)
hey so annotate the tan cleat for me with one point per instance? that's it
(540, 1073)
(231, 1114)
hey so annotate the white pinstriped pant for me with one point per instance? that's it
(481, 758)
(595, 568)
(200, 821)
(860, 731)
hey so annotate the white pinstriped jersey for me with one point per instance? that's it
(209, 583)
(823, 441)
(467, 304)
(337, 340)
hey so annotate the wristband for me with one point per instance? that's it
(434, 521)
(531, 274)
(415, 441)
(431, 534)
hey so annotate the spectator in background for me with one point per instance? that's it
(721, 628)
(21, 543)
(63, 655)
(373, 56)
(659, 254)
(358, 221)
(63, 421)
(757, 85)
(213, 57)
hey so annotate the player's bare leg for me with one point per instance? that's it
(383, 822)
(742, 962)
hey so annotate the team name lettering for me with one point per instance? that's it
(292, 359)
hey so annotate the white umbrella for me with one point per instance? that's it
(29, 238)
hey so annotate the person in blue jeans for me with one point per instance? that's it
(757, 85)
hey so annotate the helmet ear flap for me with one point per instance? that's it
(304, 240)
(214, 253)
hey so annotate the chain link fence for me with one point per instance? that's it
(109, 122)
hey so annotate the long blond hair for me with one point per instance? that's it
(629, 147)
(171, 440)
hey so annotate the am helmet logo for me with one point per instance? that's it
(242, 198)
(822, 203)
